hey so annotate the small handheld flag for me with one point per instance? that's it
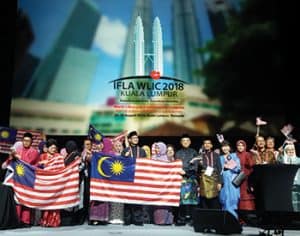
(287, 129)
(259, 122)
(95, 135)
(220, 138)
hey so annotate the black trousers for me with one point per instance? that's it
(183, 213)
(212, 203)
(133, 214)
(8, 213)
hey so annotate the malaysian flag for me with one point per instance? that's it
(8, 136)
(44, 189)
(220, 138)
(95, 135)
(287, 129)
(120, 137)
(259, 121)
(138, 181)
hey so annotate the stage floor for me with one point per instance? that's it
(120, 230)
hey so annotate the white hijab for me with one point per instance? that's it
(289, 159)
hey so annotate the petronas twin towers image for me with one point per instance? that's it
(145, 48)
(140, 55)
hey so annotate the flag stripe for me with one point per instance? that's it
(134, 187)
(47, 200)
(52, 176)
(140, 194)
(137, 183)
(156, 200)
(57, 174)
(48, 205)
(149, 162)
(44, 188)
(159, 170)
(61, 185)
(143, 197)
(134, 201)
(43, 193)
(156, 177)
(48, 196)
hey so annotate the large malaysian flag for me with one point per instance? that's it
(44, 189)
(130, 180)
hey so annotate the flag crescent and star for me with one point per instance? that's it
(116, 167)
(99, 167)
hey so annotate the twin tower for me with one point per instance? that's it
(139, 49)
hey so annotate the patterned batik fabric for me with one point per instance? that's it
(189, 191)
(163, 215)
(116, 213)
(99, 211)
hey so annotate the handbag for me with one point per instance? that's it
(238, 179)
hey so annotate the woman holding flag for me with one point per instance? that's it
(51, 160)
(229, 194)
(162, 215)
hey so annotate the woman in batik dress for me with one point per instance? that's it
(162, 215)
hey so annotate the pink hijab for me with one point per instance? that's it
(107, 146)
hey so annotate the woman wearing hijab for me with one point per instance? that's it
(162, 215)
(247, 163)
(160, 152)
(289, 155)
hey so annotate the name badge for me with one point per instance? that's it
(209, 170)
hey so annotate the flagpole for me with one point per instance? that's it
(257, 130)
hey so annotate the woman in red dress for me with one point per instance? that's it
(247, 163)
(51, 160)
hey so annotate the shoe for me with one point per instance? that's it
(138, 223)
(24, 225)
(191, 223)
(180, 223)
(277, 232)
(116, 221)
(95, 222)
(262, 232)
(126, 223)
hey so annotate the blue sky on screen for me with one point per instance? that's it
(47, 18)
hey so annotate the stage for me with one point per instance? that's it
(111, 230)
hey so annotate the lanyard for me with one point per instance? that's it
(137, 152)
(211, 163)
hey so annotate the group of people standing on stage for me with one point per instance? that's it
(207, 178)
